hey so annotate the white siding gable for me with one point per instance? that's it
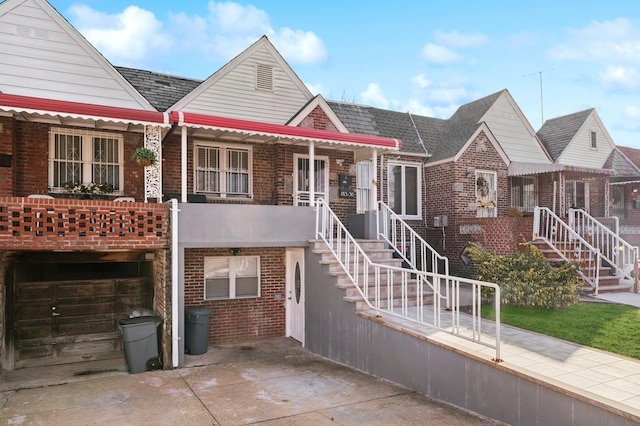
(513, 132)
(579, 151)
(232, 92)
(43, 56)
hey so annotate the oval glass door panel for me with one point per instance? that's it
(297, 282)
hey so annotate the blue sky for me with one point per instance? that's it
(419, 56)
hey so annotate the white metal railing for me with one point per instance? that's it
(409, 293)
(618, 253)
(568, 244)
(410, 246)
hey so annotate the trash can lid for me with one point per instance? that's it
(140, 320)
(193, 310)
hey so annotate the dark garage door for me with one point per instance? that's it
(64, 321)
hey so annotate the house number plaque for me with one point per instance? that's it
(345, 186)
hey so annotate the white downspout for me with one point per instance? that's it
(175, 338)
(183, 171)
(312, 174)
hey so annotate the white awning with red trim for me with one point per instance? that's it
(281, 132)
(30, 107)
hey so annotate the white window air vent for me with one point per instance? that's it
(264, 77)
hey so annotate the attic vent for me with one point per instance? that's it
(24, 31)
(264, 77)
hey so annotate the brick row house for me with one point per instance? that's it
(225, 218)
(221, 220)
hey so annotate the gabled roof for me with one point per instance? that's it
(623, 168)
(632, 154)
(463, 124)
(161, 90)
(55, 62)
(318, 102)
(440, 138)
(200, 100)
(392, 124)
(556, 133)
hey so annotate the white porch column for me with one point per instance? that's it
(312, 174)
(374, 181)
(183, 165)
(153, 174)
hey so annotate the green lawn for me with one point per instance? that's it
(607, 326)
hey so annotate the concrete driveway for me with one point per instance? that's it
(272, 381)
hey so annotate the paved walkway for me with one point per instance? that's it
(603, 378)
(274, 382)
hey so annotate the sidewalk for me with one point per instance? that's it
(272, 381)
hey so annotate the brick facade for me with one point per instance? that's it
(7, 148)
(240, 319)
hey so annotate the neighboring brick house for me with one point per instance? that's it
(484, 170)
(625, 191)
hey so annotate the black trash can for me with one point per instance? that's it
(140, 337)
(196, 330)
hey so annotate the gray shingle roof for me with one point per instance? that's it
(621, 165)
(632, 153)
(161, 90)
(442, 138)
(555, 134)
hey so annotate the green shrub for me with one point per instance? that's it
(527, 279)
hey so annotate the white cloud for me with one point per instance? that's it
(617, 41)
(229, 28)
(299, 46)
(374, 96)
(631, 119)
(619, 77)
(460, 40)
(439, 54)
(415, 106)
(233, 18)
(124, 38)
(420, 81)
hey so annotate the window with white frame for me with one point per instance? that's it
(523, 193)
(223, 170)
(232, 277)
(82, 157)
(594, 140)
(404, 189)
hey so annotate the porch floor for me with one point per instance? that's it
(600, 378)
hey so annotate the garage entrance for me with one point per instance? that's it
(65, 308)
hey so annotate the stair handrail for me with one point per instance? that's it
(359, 267)
(400, 236)
(617, 252)
(568, 244)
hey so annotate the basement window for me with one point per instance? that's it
(264, 77)
(231, 277)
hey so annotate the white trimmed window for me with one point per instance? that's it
(232, 277)
(594, 140)
(84, 157)
(223, 170)
(405, 190)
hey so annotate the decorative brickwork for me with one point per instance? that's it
(239, 320)
(63, 224)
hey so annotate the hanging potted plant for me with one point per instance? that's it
(145, 157)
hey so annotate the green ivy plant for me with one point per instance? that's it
(526, 279)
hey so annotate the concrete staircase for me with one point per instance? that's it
(608, 282)
(377, 253)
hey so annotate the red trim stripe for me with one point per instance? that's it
(233, 124)
(55, 107)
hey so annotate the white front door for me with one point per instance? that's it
(301, 187)
(295, 294)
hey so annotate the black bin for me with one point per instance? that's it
(196, 330)
(140, 337)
